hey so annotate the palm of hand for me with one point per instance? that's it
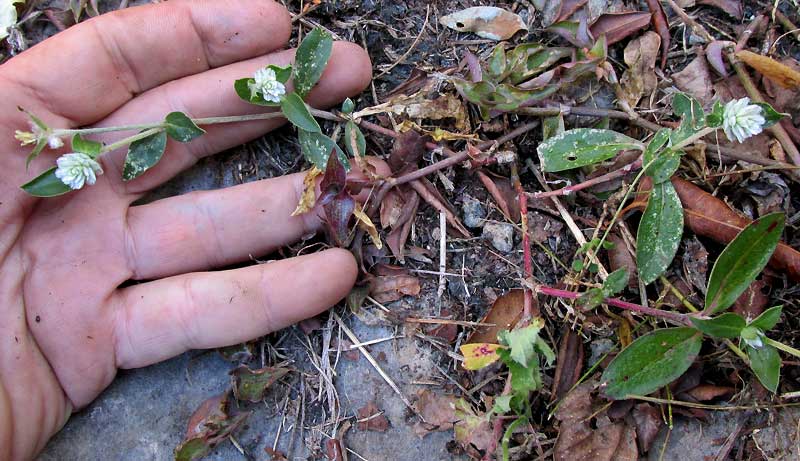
(66, 326)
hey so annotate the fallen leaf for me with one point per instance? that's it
(715, 54)
(275, 455)
(619, 257)
(770, 68)
(445, 331)
(617, 26)
(707, 392)
(370, 418)
(568, 8)
(504, 315)
(752, 302)
(252, 385)
(640, 77)
(309, 197)
(334, 447)
(438, 412)
(406, 152)
(472, 428)
(732, 7)
(485, 21)
(695, 80)
(503, 194)
(479, 355)
(367, 226)
(648, 423)
(584, 434)
(569, 364)
(401, 229)
(661, 25)
(209, 425)
(695, 263)
(388, 288)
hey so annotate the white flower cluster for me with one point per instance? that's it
(740, 119)
(77, 169)
(266, 83)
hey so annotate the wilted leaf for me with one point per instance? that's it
(732, 7)
(766, 364)
(661, 25)
(209, 425)
(640, 77)
(648, 423)
(143, 155)
(401, 228)
(695, 80)
(46, 185)
(569, 365)
(310, 60)
(336, 201)
(479, 355)
(727, 325)
(770, 68)
(367, 226)
(504, 314)
(370, 418)
(582, 146)
(617, 26)
(715, 55)
(472, 428)
(742, 260)
(309, 197)
(485, 21)
(252, 385)
(652, 361)
(438, 411)
(659, 233)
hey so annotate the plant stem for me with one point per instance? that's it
(693, 138)
(105, 129)
(237, 118)
(610, 176)
(674, 316)
(527, 304)
(737, 351)
(781, 346)
(124, 142)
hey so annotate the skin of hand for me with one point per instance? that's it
(67, 322)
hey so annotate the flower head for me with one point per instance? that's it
(37, 134)
(266, 83)
(740, 119)
(77, 169)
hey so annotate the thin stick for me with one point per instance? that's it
(413, 44)
(442, 253)
(610, 176)
(354, 339)
(527, 303)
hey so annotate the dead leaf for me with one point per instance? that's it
(336, 201)
(388, 288)
(587, 435)
(695, 263)
(335, 448)
(396, 240)
(275, 455)
(568, 8)
(479, 355)
(753, 301)
(504, 315)
(472, 428)
(732, 7)
(707, 392)
(695, 80)
(715, 54)
(569, 363)
(370, 418)
(485, 21)
(309, 197)
(661, 25)
(503, 194)
(640, 77)
(209, 425)
(617, 26)
(406, 152)
(438, 412)
(367, 226)
(648, 423)
(252, 385)
(770, 68)
(445, 331)
(619, 257)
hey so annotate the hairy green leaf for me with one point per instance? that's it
(296, 110)
(616, 282)
(582, 146)
(661, 163)
(652, 361)
(354, 140)
(727, 325)
(766, 364)
(92, 148)
(310, 60)
(143, 155)
(659, 233)
(46, 185)
(181, 128)
(742, 260)
(768, 319)
(317, 147)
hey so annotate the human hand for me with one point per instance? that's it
(66, 326)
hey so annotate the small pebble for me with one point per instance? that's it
(474, 212)
(501, 235)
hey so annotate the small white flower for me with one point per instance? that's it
(36, 134)
(54, 142)
(740, 119)
(77, 169)
(266, 83)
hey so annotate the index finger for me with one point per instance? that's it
(91, 69)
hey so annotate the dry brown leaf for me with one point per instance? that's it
(418, 107)
(472, 428)
(706, 392)
(770, 68)
(620, 258)
(504, 314)
(732, 7)
(370, 418)
(617, 26)
(695, 79)
(661, 25)
(640, 77)
(396, 240)
(569, 363)
(367, 226)
(485, 21)
(309, 198)
(648, 423)
(438, 411)
(388, 288)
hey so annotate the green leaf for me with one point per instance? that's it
(661, 164)
(92, 148)
(252, 385)
(742, 260)
(348, 106)
(46, 185)
(354, 140)
(296, 111)
(715, 117)
(181, 128)
(582, 146)
(545, 350)
(496, 66)
(652, 361)
(616, 282)
(766, 364)
(689, 109)
(552, 126)
(530, 60)
(768, 319)
(310, 60)
(659, 233)
(502, 404)
(524, 379)
(490, 97)
(242, 86)
(36, 151)
(727, 325)
(522, 342)
(316, 148)
(770, 115)
(591, 298)
(143, 155)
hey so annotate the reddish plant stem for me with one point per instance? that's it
(610, 176)
(527, 305)
(674, 316)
